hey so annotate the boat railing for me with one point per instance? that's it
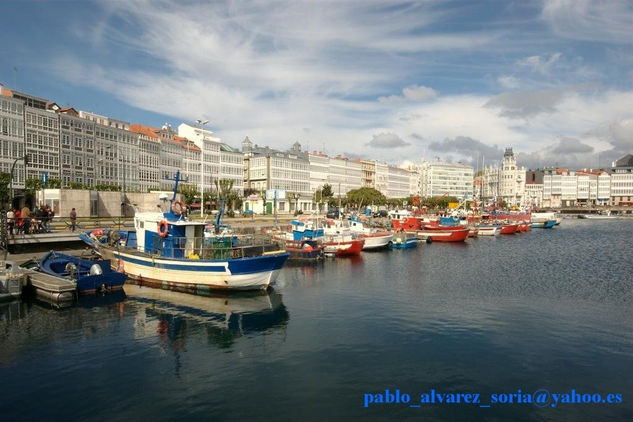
(220, 247)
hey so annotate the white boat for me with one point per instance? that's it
(166, 250)
(374, 239)
(11, 280)
(488, 230)
(542, 217)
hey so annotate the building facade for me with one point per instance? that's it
(445, 179)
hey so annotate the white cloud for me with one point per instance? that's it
(539, 64)
(607, 21)
(271, 69)
(411, 93)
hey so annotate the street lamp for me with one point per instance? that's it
(201, 123)
(296, 197)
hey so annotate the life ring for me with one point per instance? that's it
(178, 207)
(163, 228)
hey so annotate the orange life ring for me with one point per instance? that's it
(163, 228)
(180, 209)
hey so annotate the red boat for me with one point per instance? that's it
(444, 233)
(509, 228)
(525, 227)
(342, 245)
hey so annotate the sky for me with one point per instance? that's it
(395, 81)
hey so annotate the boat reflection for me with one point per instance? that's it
(226, 316)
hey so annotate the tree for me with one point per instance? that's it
(224, 186)
(33, 185)
(75, 185)
(54, 183)
(327, 194)
(5, 180)
(250, 191)
(365, 196)
(188, 193)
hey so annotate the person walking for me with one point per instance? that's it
(73, 219)
(26, 219)
(10, 221)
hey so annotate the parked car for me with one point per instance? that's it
(332, 213)
(380, 213)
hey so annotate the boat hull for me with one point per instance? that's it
(408, 243)
(377, 241)
(343, 248)
(488, 230)
(234, 274)
(444, 234)
(544, 224)
(509, 229)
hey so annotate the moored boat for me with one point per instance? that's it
(342, 245)
(488, 230)
(444, 233)
(167, 250)
(90, 275)
(548, 224)
(405, 241)
(11, 280)
(374, 239)
(304, 250)
(509, 228)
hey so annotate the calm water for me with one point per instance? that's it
(550, 309)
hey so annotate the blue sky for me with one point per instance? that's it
(389, 80)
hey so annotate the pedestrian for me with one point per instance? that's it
(73, 219)
(26, 219)
(10, 221)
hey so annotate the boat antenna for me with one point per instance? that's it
(177, 179)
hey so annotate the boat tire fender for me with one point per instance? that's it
(390, 244)
(429, 240)
(163, 228)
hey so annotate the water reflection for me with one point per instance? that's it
(225, 316)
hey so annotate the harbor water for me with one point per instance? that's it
(501, 319)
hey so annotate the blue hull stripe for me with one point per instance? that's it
(235, 266)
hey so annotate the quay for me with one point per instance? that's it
(60, 235)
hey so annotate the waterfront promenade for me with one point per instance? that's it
(61, 236)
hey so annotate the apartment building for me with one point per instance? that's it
(445, 179)
(12, 137)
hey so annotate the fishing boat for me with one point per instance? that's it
(374, 239)
(548, 224)
(488, 230)
(342, 244)
(443, 233)
(305, 250)
(524, 227)
(508, 228)
(542, 217)
(89, 274)
(167, 250)
(11, 280)
(405, 241)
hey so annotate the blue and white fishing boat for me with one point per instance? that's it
(548, 224)
(405, 241)
(169, 251)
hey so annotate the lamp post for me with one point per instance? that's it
(201, 123)
(26, 161)
(296, 197)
